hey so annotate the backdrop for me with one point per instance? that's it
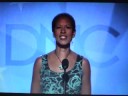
(101, 36)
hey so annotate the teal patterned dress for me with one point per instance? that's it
(52, 82)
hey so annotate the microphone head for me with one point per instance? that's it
(65, 64)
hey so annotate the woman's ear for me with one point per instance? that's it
(74, 33)
(53, 34)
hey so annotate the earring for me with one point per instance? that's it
(71, 42)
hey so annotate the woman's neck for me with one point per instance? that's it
(62, 52)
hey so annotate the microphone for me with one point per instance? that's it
(65, 64)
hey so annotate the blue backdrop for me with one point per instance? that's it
(101, 36)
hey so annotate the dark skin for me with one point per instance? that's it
(63, 34)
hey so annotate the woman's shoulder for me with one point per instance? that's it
(85, 63)
(41, 57)
(81, 56)
(84, 59)
(38, 60)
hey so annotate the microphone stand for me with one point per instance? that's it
(64, 81)
(65, 75)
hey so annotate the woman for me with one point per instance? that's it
(48, 71)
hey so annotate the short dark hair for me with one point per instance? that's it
(67, 15)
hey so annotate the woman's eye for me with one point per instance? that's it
(69, 27)
(58, 27)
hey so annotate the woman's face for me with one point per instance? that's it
(63, 31)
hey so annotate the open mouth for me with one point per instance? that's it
(62, 37)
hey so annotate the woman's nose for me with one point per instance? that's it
(63, 30)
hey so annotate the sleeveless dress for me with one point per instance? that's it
(52, 82)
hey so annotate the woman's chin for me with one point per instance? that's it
(63, 45)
